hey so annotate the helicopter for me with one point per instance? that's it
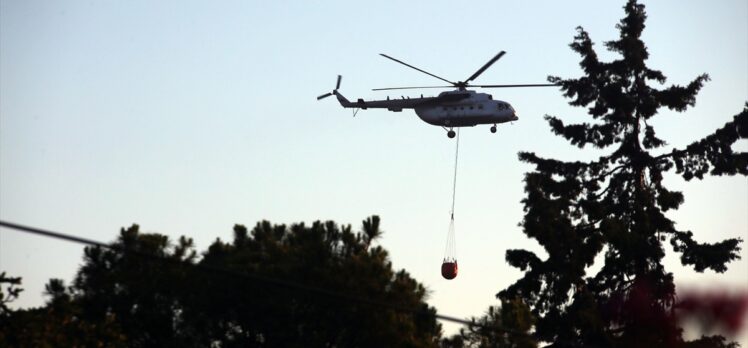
(457, 108)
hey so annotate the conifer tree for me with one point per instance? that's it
(616, 205)
(298, 285)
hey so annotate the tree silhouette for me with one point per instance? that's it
(58, 324)
(274, 286)
(325, 256)
(11, 284)
(615, 205)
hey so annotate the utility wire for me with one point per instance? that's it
(273, 281)
(263, 279)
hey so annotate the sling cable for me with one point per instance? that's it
(449, 263)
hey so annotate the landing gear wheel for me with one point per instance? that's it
(451, 134)
(493, 129)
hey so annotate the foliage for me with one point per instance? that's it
(276, 286)
(322, 256)
(12, 289)
(615, 205)
(58, 324)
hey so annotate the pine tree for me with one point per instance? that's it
(615, 205)
(298, 285)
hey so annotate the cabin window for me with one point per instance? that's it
(445, 108)
(471, 107)
(480, 106)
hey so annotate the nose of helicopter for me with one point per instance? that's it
(514, 113)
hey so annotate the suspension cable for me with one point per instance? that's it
(454, 180)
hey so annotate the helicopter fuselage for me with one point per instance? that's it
(475, 109)
(458, 108)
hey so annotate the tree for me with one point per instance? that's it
(276, 286)
(58, 324)
(139, 281)
(321, 256)
(12, 289)
(616, 205)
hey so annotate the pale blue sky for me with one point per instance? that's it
(187, 117)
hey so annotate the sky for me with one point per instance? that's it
(187, 117)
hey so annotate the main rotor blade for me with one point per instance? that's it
(509, 86)
(412, 67)
(485, 66)
(337, 86)
(324, 96)
(391, 88)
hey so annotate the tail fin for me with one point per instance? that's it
(343, 101)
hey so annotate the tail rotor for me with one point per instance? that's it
(335, 91)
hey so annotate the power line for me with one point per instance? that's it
(272, 281)
(259, 278)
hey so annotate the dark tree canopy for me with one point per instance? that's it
(615, 205)
(146, 291)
